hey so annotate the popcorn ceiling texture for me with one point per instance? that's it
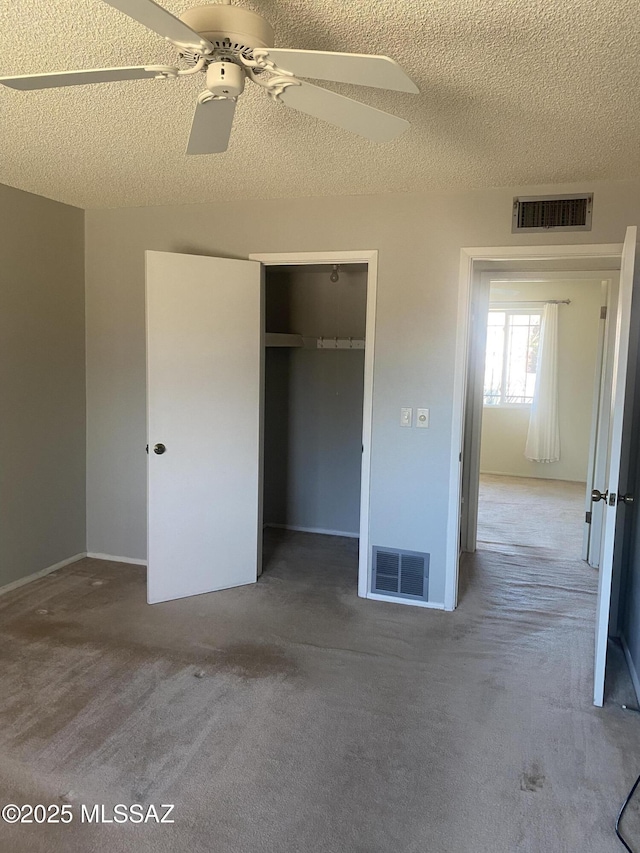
(512, 92)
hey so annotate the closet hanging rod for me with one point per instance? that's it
(338, 343)
(276, 339)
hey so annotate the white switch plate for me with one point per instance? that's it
(406, 417)
(422, 418)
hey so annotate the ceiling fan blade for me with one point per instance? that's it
(26, 82)
(211, 127)
(344, 112)
(357, 68)
(161, 21)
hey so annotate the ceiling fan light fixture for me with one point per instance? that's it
(225, 79)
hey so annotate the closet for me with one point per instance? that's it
(227, 455)
(314, 387)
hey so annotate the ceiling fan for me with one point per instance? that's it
(229, 44)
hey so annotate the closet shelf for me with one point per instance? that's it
(276, 339)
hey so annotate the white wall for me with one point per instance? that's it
(42, 384)
(504, 429)
(419, 239)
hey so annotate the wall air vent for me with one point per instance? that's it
(552, 213)
(400, 574)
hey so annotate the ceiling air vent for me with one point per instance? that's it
(552, 213)
(400, 574)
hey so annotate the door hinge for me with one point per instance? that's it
(603, 312)
(587, 517)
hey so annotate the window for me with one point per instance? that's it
(513, 337)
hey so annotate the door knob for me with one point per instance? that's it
(625, 499)
(159, 449)
(597, 495)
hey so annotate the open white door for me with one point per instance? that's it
(611, 543)
(204, 390)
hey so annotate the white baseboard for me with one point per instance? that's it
(432, 605)
(528, 476)
(511, 474)
(131, 560)
(632, 667)
(41, 574)
(314, 530)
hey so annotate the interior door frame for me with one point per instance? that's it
(474, 409)
(610, 253)
(370, 258)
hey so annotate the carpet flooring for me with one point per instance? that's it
(528, 511)
(291, 716)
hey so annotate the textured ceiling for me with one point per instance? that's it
(512, 92)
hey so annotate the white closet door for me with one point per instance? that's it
(204, 390)
(613, 532)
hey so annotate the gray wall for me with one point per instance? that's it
(313, 404)
(418, 237)
(42, 383)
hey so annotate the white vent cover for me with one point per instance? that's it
(553, 213)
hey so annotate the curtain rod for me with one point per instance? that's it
(534, 301)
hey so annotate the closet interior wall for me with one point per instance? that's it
(314, 399)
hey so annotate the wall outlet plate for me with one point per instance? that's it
(422, 418)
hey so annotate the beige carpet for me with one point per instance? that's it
(528, 511)
(292, 717)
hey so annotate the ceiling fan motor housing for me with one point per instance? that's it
(230, 26)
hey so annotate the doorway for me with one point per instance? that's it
(531, 485)
(618, 408)
(322, 323)
(315, 338)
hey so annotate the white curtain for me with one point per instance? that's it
(543, 439)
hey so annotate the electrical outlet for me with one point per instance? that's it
(422, 418)
(406, 417)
